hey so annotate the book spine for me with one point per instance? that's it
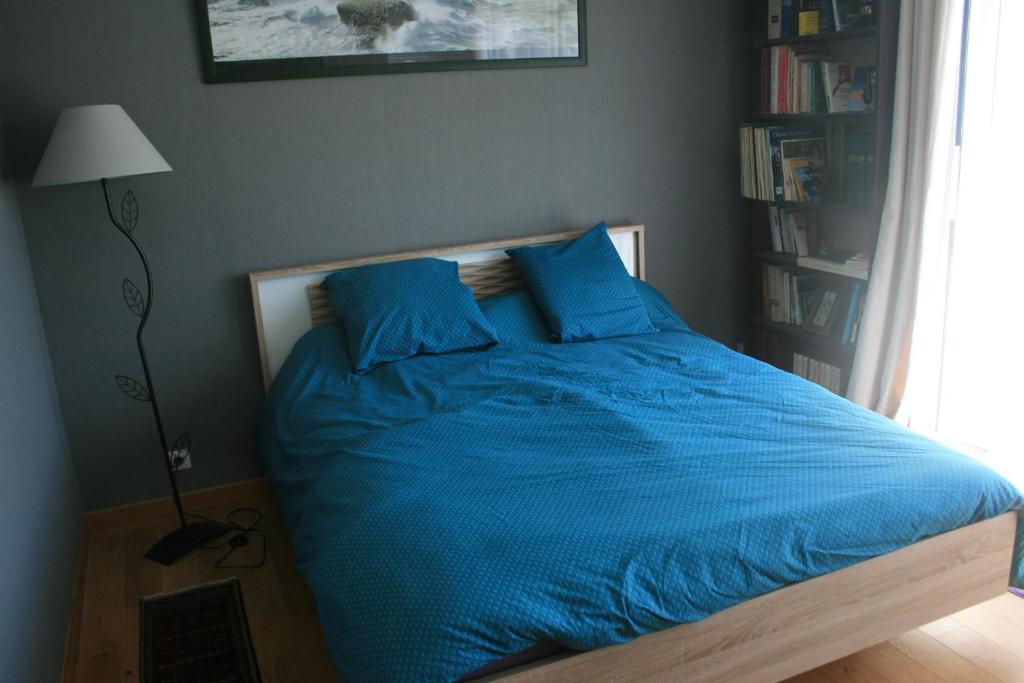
(826, 80)
(773, 95)
(788, 244)
(766, 79)
(826, 17)
(782, 105)
(787, 19)
(776, 229)
(774, 19)
(851, 314)
(744, 186)
(808, 18)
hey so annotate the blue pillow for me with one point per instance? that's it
(392, 311)
(659, 309)
(516, 318)
(582, 288)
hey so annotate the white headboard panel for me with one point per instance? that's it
(282, 307)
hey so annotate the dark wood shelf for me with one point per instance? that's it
(822, 38)
(834, 352)
(786, 259)
(812, 117)
(827, 204)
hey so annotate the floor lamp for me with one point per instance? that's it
(98, 143)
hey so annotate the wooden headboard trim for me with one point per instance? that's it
(485, 277)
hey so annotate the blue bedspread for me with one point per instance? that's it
(452, 510)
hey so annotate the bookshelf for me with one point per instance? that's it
(844, 221)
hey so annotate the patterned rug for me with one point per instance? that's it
(199, 635)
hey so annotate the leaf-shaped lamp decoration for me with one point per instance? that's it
(129, 211)
(131, 388)
(133, 298)
(181, 449)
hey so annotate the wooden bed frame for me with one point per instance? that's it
(769, 638)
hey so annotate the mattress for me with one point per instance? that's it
(449, 511)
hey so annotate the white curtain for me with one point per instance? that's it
(908, 257)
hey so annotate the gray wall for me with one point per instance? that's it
(39, 504)
(288, 172)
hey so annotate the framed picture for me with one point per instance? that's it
(246, 40)
(827, 306)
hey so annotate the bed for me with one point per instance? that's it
(654, 507)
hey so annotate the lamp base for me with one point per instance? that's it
(183, 540)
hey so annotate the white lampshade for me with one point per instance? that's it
(96, 142)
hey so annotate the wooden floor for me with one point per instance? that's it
(984, 643)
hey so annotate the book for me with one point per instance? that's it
(818, 104)
(783, 79)
(862, 94)
(857, 321)
(838, 16)
(803, 286)
(811, 179)
(788, 236)
(803, 68)
(775, 225)
(851, 313)
(786, 17)
(827, 266)
(793, 231)
(774, 19)
(778, 134)
(826, 17)
(798, 148)
(808, 17)
(766, 79)
(766, 153)
(803, 228)
(866, 14)
(836, 79)
(827, 306)
(851, 14)
(819, 372)
(787, 294)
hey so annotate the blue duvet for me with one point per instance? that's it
(451, 510)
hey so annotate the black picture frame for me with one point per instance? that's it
(362, 65)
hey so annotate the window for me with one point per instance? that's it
(978, 396)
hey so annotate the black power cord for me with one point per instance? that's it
(244, 531)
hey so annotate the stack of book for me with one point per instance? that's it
(784, 163)
(793, 231)
(850, 265)
(790, 18)
(823, 374)
(795, 164)
(830, 308)
(787, 294)
(799, 80)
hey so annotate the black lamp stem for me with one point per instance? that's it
(165, 451)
